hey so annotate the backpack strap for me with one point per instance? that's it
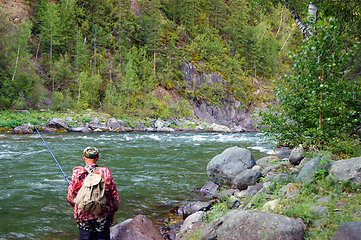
(95, 170)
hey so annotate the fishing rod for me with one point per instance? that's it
(52, 156)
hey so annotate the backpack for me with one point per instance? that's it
(91, 198)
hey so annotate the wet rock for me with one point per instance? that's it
(224, 168)
(347, 170)
(349, 231)
(139, 228)
(297, 155)
(23, 129)
(251, 224)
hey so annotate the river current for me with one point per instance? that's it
(153, 172)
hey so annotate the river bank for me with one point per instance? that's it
(23, 122)
(315, 198)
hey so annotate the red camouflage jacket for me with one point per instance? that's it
(111, 193)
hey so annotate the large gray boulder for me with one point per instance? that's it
(140, 228)
(348, 170)
(253, 224)
(349, 231)
(58, 123)
(225, 167)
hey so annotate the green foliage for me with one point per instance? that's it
(318, 104)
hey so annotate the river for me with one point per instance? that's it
(154, 172)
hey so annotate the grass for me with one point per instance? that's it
(343, 206)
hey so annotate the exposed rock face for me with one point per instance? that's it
(230, 114)
(347, 170)
(252, 224)
(224, 168)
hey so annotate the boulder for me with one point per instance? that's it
(297, 155)
(23, 129)
(191, 224)
(237, 129)
(165, 130)
(139, 126)
(57, 123)
(246, 178)
(267, 161)
(252, 224)
(80, 129)
(161, 124)
(347, 170)
(289, 189)
(319, 210)
(218, 128)
(115, 231)
(113, 124)
(349, 231)
(140, 228)
(95, 127)
(209, 190)
(309, 169)
(194, 207)
(223, 168)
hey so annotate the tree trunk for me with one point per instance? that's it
(312, 17)
(16, 62)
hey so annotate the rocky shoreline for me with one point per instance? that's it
(58, 125)
(258, 197)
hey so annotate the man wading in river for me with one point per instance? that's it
(93, 224)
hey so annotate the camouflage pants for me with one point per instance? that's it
(95, 229)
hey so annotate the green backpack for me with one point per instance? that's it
(91, 198)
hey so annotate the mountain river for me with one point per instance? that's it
(154, 172)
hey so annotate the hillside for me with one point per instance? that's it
(222, 57)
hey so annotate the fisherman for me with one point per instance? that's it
(93, 226)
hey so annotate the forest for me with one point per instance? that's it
(110, 55)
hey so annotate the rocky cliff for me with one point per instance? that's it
(230, 113)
